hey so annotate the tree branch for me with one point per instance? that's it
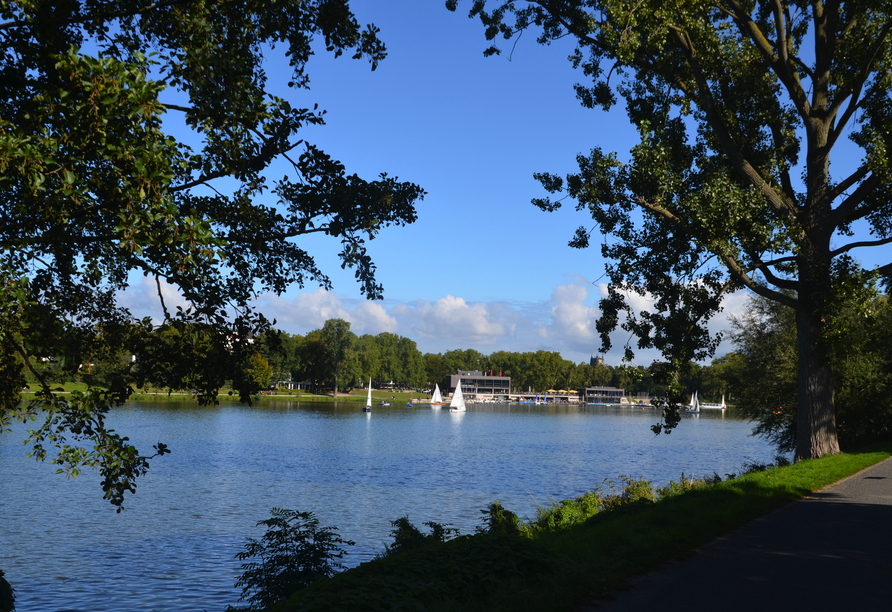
(781, 65)
(846, 212)
(783, 205)
(101, 15)
(853, 93)
(860, 244)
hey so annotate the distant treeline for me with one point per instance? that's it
(389, 358)
(146, 358)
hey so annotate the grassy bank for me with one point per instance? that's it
(357, 395)
(555, 569)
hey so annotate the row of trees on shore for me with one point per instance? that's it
(759, 377)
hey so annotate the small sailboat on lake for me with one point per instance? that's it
(458, 400)
(437, 397)
(694, 407)
(368, 401)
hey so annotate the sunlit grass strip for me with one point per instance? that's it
(556, 570)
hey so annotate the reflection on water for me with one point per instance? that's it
(173, 549)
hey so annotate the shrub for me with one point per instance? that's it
(7, 595)
(407, 536)
(293, 553)
(631, 491)
(683, 486)
(498, 520)
(568, 512)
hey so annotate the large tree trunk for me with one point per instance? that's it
(815, 412)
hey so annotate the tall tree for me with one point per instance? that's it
(764, 370)
(368, 356)
(740, 106)
(337, 348)
(93, 187)
(412, 362)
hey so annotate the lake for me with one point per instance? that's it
(65, 549)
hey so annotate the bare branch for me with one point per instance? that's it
(861, 244)
(847, 211)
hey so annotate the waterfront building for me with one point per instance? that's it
(604, 395)
(477, 384)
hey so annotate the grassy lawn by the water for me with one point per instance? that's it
(397, 398)
(557, 570)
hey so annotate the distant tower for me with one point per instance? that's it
(596, 360)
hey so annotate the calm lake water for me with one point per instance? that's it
(65, 549)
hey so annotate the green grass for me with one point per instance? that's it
(557, 570)
(67, 387)
(397, 398)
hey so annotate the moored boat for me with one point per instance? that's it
(437, 397)
(458, 400)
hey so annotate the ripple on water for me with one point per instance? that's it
(173, 548)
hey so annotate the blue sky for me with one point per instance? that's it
(482, 267)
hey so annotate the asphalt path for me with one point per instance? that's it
(829, 551)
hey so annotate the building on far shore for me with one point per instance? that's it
(604, 395)
(476, 384)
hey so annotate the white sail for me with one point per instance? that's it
(437, 397)
(695, 404)
(368, 401)
(458, 400)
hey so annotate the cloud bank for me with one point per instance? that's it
(564, 323)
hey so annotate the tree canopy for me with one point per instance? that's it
(741, 106)
(95, 186)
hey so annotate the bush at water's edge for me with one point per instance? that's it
(559, 561)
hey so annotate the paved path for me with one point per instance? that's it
(830, 551)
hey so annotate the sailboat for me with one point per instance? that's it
(458, 400)
(437, 398)
(368, 401)
(694, 407)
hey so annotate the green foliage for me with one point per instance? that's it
(69, 423)
(7, 595)
(683, 485)
(95, 191)
(337, 343)
(461, 571)
(765, 371)
(258, 371)
(568, 512)
(740, 112)
(293, 553)
(407, 536)
(498, 520)
(558, 569)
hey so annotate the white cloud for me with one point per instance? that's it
(372, 318)
(304, 312)
(733, 305)
(453, 317)
(141, 298)
(573, 321)
(564, 323)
